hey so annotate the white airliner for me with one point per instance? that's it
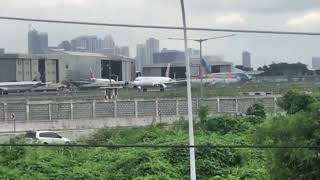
(145, 82)
(95, 80)
(91, 83)
(6, 87)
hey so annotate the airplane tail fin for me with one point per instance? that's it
(168, 70)
(204, 68)
(91, 74)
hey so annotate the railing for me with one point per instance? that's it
(97, 109)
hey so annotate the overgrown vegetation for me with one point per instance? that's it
(257, 109)
(300, 127)
(294, 101)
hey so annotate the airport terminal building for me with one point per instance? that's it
(63, 65)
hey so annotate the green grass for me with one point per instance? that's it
(236, 89)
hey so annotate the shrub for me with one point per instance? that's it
(293, 102)
(222, 124)
(257, 109)
(203, 113)
(302, 128)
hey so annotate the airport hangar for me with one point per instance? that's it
(63, 65)
(178, 69)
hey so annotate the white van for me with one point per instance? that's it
(46, 137)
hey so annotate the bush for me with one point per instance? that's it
(257, 109)
(302, 128)
(222, 124)
(293, 102)
(203, 113)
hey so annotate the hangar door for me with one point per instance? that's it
(111, 69)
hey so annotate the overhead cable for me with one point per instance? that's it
(159, 27)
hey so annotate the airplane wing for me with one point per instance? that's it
(3, 89)
(180, 82)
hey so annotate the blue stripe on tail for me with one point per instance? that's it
(205, 66)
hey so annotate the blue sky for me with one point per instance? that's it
(286, 15)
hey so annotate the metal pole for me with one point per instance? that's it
(190, 118)
(201, 70)
(110, 72)
(14, 124)
(109, 90)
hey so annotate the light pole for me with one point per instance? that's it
(190, 118)
(110, 72)
(200, 41)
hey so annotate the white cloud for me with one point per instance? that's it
(232, 18)
(45, 3)
(306, 19)
(71, 3)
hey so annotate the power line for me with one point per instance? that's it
(159, 27)
(175, 146)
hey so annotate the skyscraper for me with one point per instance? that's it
(117, 50)
(109, 42)
(85, 43)
(37, 42)
(124, 50)
(152, 46)
(141, 56)
(316, 63)
(65, 45)
(246, 59)
(43, 40)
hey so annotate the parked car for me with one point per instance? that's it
(46, 137)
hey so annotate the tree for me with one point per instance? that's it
(293, 102)
(203, 113)
(256, 109)
(285, 69)
(302, 128)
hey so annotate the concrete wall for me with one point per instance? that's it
(84, 124)
(94, 114)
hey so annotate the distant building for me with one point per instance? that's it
(168, 56)
(2, 51)
(37, 42)
(246, 59)
(85, 44)
(152, 46)
(125, 51)
(107, 51)
(65, 45)
(316, 63)
(117, 50)
(77, 65)
(178, 69)
(141, 56)
(241, 67)
(108, 42)
(60, 65)
(27, 67)
(194, 52)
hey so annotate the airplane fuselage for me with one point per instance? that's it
(16, 86)
(146, 81)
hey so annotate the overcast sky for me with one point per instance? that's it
(287, 15)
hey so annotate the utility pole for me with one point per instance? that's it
(201, 69)
(190, 118)
(200, 41)
(110, 72)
